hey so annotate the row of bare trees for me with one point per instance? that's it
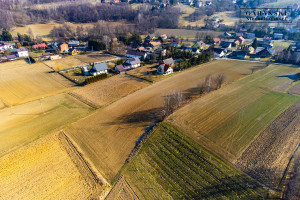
(177, 99)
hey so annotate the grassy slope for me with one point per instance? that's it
(227, 120)
(172, 165)
(24, 123)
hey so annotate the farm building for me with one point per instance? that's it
(99, 68)
(132, 63)
(164, 69)
(265, 53)
(22, 53)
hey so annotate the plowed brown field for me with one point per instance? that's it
(268, 155)
(122, 191)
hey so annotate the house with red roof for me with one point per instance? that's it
(217, 40)
(36, 46)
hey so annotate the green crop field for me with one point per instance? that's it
(226, 121)
(171, 165)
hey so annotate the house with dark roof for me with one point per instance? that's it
(99, 68)
(239, 40)
(265, 53)
(132, 63)
(136, 53)
(164, 69)
(225, 45)
(218, 52)
(239, 54)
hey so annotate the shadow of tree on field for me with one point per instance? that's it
(228, 187)
(147, 116)
(293, 77)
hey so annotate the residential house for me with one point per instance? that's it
(199, 45)
(63, 47)
(11, 57)
(85, 70)
(151, 36)
(132, 63)
(239, 40)
(218, 52)
(250, 35)
(136, 53)
(164, 69)
(266, 42)
(217, 41)
(251, 49)
(115, 1)
(265, 53)
(6, 46)
(164, 36)
(225, 45)
(278, 36)
(199, 4)
(99, 68)
(73, 51)
(120, 69)
(155, 44)
(174, 42)
(22, 53)
(73, 43)
(297, 44)
(189, 2)
(46, 54)
(168, 61)
(42, 45)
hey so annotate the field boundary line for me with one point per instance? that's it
(83, 100)
(76, 155)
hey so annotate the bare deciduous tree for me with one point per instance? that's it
(219, 80)
(173, 102)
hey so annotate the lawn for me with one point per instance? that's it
(21, 82)
(107, 136)
(25, 123)
(228, 120)
(172, 166)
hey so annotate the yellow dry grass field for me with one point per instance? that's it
(107, 136)
(21, 82)
(43, 170)
(228, 120)
(77, 60)
(109, 90)
(22, 124)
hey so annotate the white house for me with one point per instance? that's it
(6, 46)
(22, 53)
(164, 69)
(99, 68)
(132, 63)
(218, 52)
